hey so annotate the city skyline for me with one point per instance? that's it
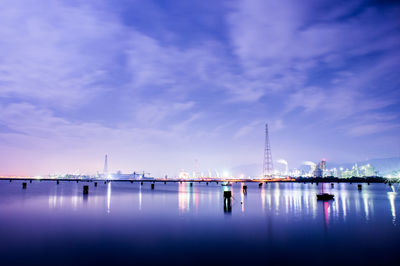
(160, 85)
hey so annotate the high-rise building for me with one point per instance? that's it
(355, 171)
(368, 170)
(320, 169)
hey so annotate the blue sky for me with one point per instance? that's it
(158, 85)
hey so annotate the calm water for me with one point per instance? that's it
(279, 224)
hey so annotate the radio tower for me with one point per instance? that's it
(268, 167)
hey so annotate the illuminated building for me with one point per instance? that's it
(355, 171)
(347, 173)
(367, 170)
(320, 170)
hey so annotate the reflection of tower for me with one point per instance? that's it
(105, 167)
(268, 167)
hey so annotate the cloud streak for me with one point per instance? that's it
(96, 77)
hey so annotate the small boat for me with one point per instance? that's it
(325, 196)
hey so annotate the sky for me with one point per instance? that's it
(163, 86)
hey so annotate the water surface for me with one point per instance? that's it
(120, 222)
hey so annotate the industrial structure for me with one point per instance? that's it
(105, 172)
(268, 167)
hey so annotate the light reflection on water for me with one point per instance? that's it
(109, 197)
(275, 215)
(392, 197)
(296, 200)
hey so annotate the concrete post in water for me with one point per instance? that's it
(359, 186)
(191, 184)
(58, 182)
(85, 190)
(131, 181)
(30, 181)
(152, 186)
(141, 183)
(217, 182)
(332, 185)
(77, 181)
(10, 180)
(227, 194)
(390, 184)
(95, 184)
(105, 182)
(260, 185)
(207, 183)
(227, 201)
(165, 182)
(244, 189)
(24, 185)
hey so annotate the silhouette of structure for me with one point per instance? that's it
(268, 167)
(105, 172)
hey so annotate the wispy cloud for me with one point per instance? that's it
(98, 76)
